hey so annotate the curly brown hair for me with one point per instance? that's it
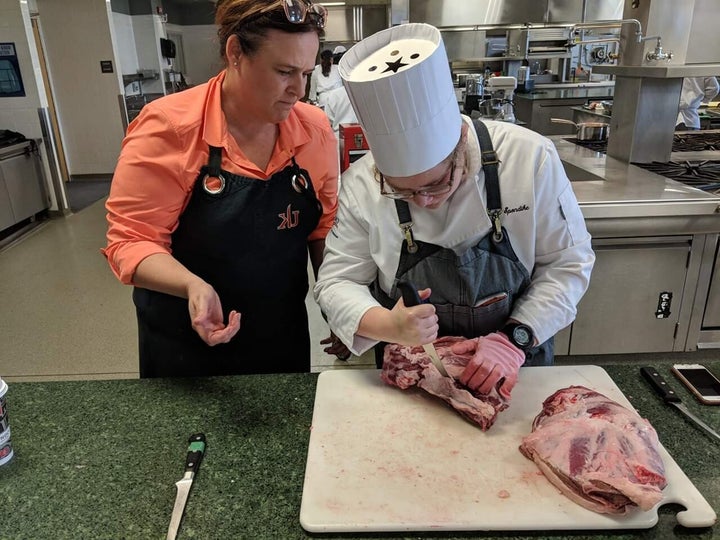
(250, 21)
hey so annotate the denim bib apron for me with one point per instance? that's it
(248, 239)
(474, 292)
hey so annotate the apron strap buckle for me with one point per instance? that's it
(299, 183)
(214, 188)
(489, 157)
(409, 238)
(497, 227)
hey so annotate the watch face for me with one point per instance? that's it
(521, 335)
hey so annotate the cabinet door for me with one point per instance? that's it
(623, 310)
(25, 185)
(7, 218)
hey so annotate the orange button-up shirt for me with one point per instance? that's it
(164, 150)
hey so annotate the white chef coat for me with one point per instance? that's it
(540, 213)
(320, 84)
(695, 90)
(339, 109)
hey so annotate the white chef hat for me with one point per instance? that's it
(339, 49)
(400, 86)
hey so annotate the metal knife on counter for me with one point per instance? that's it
(196, 449)
(411, 298)
(668, 395)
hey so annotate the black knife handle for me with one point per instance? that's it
(196, 449)
(409, 292)
(658, 383)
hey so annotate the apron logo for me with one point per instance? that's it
(290, 219)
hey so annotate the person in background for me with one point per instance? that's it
(695, 90)
(480, 216)
(337, 103)
(324, 77)
(339, 109)
(218, 195)
(338, 52)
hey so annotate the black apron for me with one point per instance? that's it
(248, 239)
(474, 292)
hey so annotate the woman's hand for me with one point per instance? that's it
(416, 325)
(207, 317)
(335, 347)
(495, 363)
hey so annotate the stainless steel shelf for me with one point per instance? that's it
(666, 71)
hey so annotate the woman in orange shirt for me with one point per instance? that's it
(219, 193)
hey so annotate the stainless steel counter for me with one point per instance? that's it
(609, 188)
(654, 239)
(583, 114)
(567, 93)
(537, 108)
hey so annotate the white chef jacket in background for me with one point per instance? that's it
(540, 213)
(320, 84)
(339, 109)
(695, 90)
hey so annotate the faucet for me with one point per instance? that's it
(658, 53)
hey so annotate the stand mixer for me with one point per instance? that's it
(501, 90)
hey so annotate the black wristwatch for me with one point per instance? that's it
(519, 335)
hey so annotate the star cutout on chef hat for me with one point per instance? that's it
(394, 66)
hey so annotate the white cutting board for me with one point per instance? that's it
(385, 459)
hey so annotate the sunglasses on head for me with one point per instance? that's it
(297, 11)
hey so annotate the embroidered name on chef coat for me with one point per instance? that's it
(521, 208)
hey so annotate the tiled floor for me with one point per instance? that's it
(65, 316)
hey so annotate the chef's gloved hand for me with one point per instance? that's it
(495, 363)
(206, 315)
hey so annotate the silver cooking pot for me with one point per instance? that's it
(587, 131)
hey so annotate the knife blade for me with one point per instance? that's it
(196, 449)
(671, 398)
(411, 298)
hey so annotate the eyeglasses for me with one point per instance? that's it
(297, 11)
(439, 188)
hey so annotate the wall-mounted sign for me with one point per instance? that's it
(106, 66)
(11, 84)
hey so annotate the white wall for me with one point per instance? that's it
(21, 113)
(125, 35)
(147, 45)
(77, 37)
(202, 52)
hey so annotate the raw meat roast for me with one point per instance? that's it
(598, 453)
(409, 366)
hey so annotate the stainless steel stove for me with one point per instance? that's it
(703, 175)
(694, 141)
(695, 159)
(595, 146)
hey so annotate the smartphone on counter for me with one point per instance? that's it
(700, 381)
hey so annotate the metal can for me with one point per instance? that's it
(6, 451)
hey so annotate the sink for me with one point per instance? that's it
(578, 174)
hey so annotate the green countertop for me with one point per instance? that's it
(98, 459)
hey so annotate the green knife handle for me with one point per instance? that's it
(196, 449)
(658, 383)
